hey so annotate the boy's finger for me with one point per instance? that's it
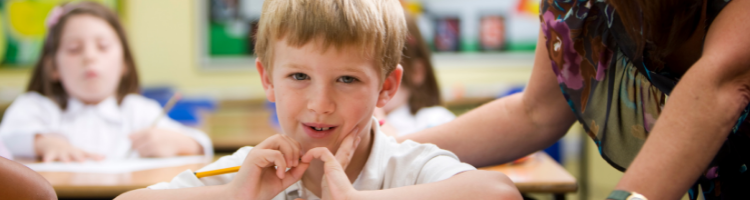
(346, 149)
(321, 153)
(334, 173)
(294, 174)
(287, 150)
(270, 143)
(269, 158)
(295, 151)
(298, 171)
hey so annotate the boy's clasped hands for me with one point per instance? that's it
(265, 174)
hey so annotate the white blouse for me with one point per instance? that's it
(406, 123)
(101, 128)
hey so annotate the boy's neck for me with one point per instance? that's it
(313, 177)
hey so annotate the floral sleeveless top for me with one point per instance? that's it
(617, 99)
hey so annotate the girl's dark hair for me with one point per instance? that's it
(426, 93)
(664, 24)
(41, 79)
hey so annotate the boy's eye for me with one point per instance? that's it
(347, 79)
(300, 76)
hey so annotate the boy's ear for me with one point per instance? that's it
(265, 79)
(390, 86)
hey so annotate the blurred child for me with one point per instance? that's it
(327, 65)
(416, 106)
(82, 101)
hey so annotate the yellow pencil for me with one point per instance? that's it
(217, 172)
(167, 107)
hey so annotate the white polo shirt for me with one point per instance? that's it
(102, 128)
(406, 123)
(390, 165)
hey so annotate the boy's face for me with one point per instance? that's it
(321, 97)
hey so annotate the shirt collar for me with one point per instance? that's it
(107, 109)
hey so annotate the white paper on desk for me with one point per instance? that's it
(116, 166)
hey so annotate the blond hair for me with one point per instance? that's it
(378, 26)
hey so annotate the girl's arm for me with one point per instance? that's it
(168, 137)
(20, 182)
(700, 113)
(514, 126)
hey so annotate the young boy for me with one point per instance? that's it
(327, 64)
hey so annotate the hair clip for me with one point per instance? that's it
(54, 16)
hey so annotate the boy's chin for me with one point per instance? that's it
(304, 148)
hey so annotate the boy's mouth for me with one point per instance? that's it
(318, 130)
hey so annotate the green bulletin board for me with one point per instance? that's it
(22, 29)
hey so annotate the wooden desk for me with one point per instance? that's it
(237, 124)
(99, 185)
(540, 173)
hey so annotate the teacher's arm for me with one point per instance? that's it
(699, 114)
(510, 127)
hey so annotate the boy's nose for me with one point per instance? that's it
(321, 101)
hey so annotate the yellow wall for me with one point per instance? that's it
(163, 36)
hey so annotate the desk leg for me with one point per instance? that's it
(560, 196)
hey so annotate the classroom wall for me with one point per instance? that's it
(164, 39)
(163, 35)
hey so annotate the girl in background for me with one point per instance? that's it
(82, 101)
(416, 105)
